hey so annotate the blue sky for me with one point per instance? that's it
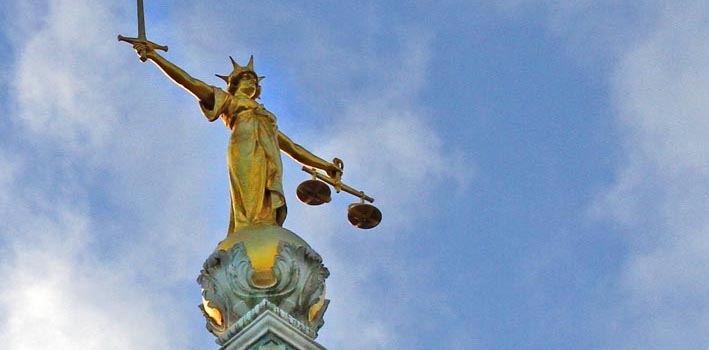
(542, 167)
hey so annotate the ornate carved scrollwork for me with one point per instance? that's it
(227, 285)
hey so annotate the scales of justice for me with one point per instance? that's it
(263, 287)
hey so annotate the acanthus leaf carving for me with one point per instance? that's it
(227, 285)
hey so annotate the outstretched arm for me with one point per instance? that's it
(196, 87)
(303, 156)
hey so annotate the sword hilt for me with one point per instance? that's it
(146, 42)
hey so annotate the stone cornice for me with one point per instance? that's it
(265, 321)
(260, 309)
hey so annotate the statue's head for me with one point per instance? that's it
(243, 79)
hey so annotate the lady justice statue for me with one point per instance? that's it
(253, 157)
(258, 206)
(259, 263)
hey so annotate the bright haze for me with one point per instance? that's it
(542, 168)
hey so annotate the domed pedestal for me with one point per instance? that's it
(264, 279)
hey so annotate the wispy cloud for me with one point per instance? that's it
(662, 192)
(656, 54)
(69, 236)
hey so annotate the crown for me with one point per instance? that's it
(233, 78)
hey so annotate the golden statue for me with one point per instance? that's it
(253, 158)
(281, 267)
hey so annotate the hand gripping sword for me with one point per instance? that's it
(141, 34)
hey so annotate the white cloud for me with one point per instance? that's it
(62, 85)
(52, 282)
(53, 286)
(662, 191)
(72, 218)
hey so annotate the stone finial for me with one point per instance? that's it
(297, 296)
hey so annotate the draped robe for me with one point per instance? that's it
(253, 160)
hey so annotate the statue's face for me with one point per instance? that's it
(247, 85)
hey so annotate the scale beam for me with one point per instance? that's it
(336, 185)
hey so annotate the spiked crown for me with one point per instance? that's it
(232, 79)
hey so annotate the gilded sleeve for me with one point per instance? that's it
(221, 101)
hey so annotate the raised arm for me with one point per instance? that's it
(196, 87)
(303, 156)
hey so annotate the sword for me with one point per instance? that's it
(141, 34)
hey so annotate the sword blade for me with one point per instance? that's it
(141, 22)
